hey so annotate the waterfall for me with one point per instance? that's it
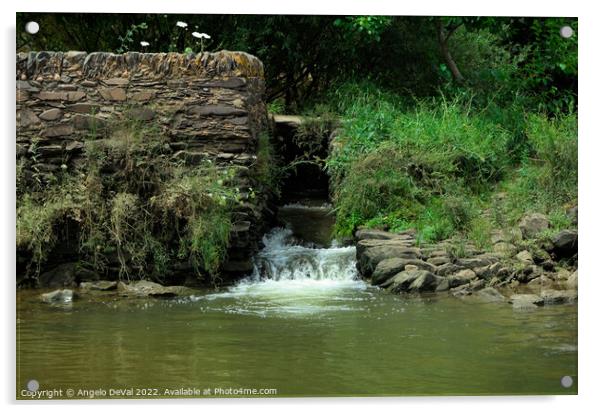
(292, 276)
(282, 259)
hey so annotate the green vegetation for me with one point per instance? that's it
(436, 166)
(131, 209)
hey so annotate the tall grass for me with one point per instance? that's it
(433, 164)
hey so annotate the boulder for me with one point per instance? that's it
(572, 281)
(447, 269)
(477, 284)
(526, 301)
(490, 295)
(462, 277)
(565, 243)
(370, 255)
(391, 266)
(562, 274)
(400, 282)
(525, 257)
(504, 249)
(540, 282)
(58, 296)
(532, 224)
(425, 281)
(412, 281)
(476, 262)
(529, 273)
(102, 285)
(438, 260)
(551, 297)
(461, 291)
(443, 284)
(145, 288)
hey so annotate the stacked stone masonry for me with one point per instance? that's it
(209, 106)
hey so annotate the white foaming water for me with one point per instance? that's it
(295, 279)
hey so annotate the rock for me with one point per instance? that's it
(370, 257)
(461, 291)
(551, 297)
(525, 257)
(462, 277)
(548, 265)
(532, 224)
(438, 260)
(74, 146)
(387, 268)
(102, 285)
(85, 108)
(27, 118)
(505, 236)
(142, 114)
(443, 284)
(476, 284)
(489, 271)
(475, 262)
(426, 281)
(572, 281)
(529, 273)
(51, 114)
(404, 245)
(526, 301)
(412, 281)
(504, 248)
(216, 110)
(490, 295)
(562, 274)
(114, 94)
(438, 253)
(540, 255)
(60, 276)
(447, 269)
(58, 296)
(142, 96)
(116, 81)
(145, 288)
(58, 130)
(565, 243)
(541, 282)
(61, 96)
(400, 281)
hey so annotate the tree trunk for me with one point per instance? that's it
(449, 60)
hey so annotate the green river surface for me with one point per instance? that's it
(304, 325)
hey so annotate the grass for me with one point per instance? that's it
(133, 207)
(437, 165)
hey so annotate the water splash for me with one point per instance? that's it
(294, 278)
(283, 259)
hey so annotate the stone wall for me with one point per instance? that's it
(209, 106)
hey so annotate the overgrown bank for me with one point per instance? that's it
(447, 168)
(130, 211)
(443, 196)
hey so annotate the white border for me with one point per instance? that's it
(589, 184)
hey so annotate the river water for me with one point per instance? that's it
(304, 324)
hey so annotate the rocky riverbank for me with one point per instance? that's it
(522, 267)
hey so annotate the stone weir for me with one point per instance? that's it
(208, 106)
